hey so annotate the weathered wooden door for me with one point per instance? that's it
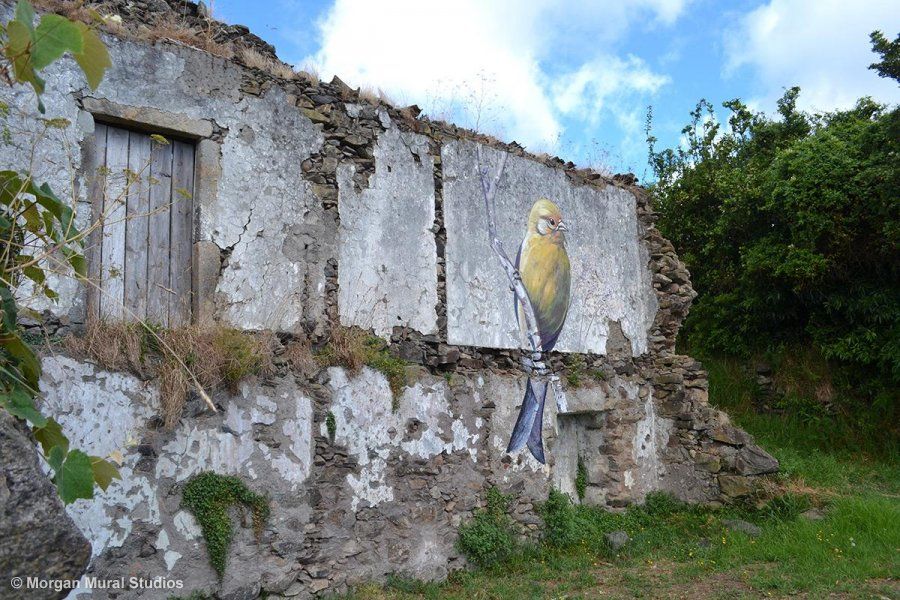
(140, 256)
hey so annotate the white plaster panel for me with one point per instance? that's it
(611, 280)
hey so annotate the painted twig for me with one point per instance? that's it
(489, 190)
(535, 364)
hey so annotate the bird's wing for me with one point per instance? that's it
(545, 271)
(516, 296)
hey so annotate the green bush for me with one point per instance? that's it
(790, 228)
(561, 524)
(489, 537)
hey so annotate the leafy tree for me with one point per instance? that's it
(37, 226)
(890, 55)
(790, 227)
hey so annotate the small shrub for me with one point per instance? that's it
(575, 370)
(488, 538)
(561, 524)
(353, 348)
(785, 507)
(208, 496)
(330, 425)
(581, 476)
(662, 504)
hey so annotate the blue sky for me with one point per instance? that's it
(574, 78)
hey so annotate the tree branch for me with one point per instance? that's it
(489, 190)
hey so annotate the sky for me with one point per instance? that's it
(574, 78)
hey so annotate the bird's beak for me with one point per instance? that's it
(562, 227)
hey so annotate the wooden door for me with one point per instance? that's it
(140, 256)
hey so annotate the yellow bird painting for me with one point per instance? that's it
(544, 267)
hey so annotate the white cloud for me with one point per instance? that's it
(821, 45)
(484, 63)
(588, 90)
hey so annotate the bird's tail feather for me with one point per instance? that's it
(535, 443)
(528, 425)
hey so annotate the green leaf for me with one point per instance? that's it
(8, 310)
(10, 186)
(19, 52)
(104, 472)
(19, 403)
(24, 357)
(94, 59)
(35, 273)
(55, 458)
(54, 36)
(25, 14)
(63, 213)
(75, 478)
(77, 262)
(50, 436)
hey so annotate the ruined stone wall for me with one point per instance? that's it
(317, 208)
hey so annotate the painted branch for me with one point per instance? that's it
(489, 190)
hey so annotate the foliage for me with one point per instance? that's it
(330, 425)
(790, 228)
(35, 225)
(208, 496)
(575, 367)
(29, 49)
(890, 55)
(581, 479)
(577, 371)
(561, 527)
(488, 538)
(352, 348)
(829, 449)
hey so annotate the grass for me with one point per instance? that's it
(353, 348)
(684, 551)
(217, 357)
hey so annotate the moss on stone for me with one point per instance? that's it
(208, 496)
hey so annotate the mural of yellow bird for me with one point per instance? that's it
(543, 265)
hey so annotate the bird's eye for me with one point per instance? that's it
(552, 222)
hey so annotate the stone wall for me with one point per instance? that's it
(317, 208)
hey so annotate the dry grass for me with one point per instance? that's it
(171, 29)
(76, 11)
(353, 348)
(300, 358)
(374, 96)
(257, 60)
(117, 347)
(803, 371)
(309, 73)
(218, 358)
(348, 348)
